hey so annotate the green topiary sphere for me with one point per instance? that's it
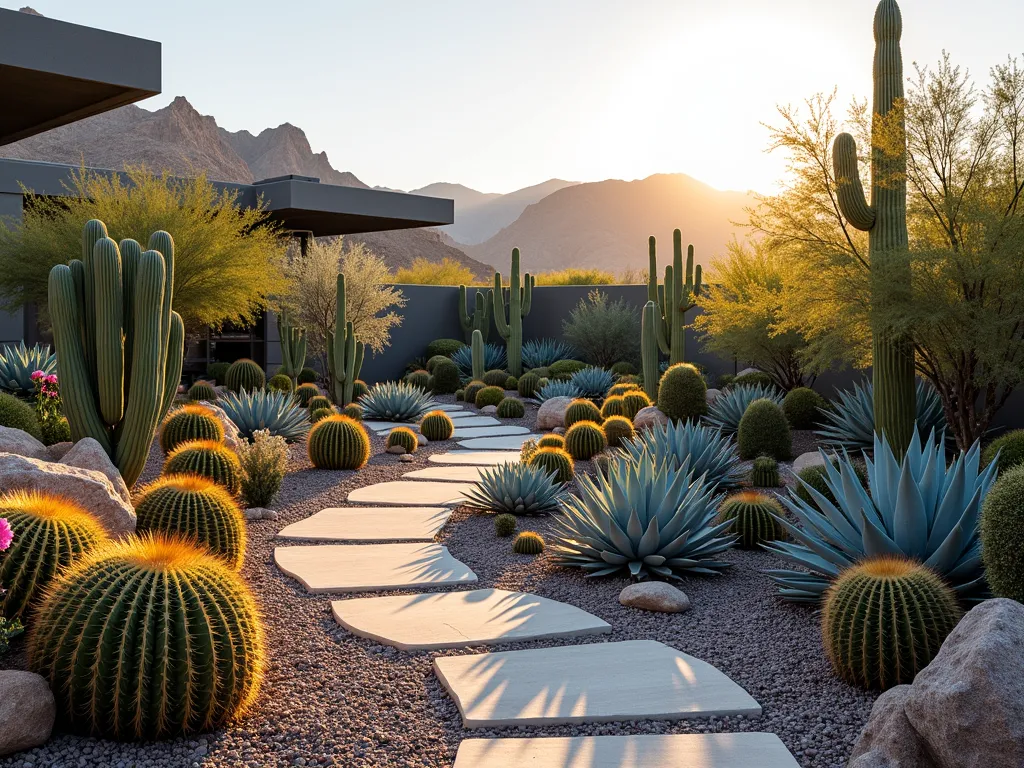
(126, 607)
(614, 405)
(245, 375)
(801, 407)
(489, 396)
(404, 437)
(528, 543)
(471, 390)
(752, 516)
(209, 459)
(437, 425)
(1009, 448)
(306, 392)
(884, 621)
(764, 431)
(197, 509)
(1002, 535)
(505, 524)
(188, 423)
(202, 390)
(17, 414)
(50, 533)
(511, 408)
(581, 410)
(634, 402)
(551, 441)
(584, 439)
(617, 429)
(434, 360)
(555, 460)
(682, 393)
(446, 347)
(495, 378)
(527, 385)
(338, 442)
(280, 383)
(318, 401)
(765, 472)
(446, 377)
(307, 376)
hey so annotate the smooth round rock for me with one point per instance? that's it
(405, 458)
(397, 450)
(490, 409)
(27, 711)
(649, 417)
(654, 596)
(552, 413)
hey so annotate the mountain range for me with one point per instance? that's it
(556, 224)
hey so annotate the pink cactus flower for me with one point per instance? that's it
(38, 375)
(6, 537)
(51, 379)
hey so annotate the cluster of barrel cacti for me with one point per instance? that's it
(520, 299)
(118, 342)
(344, 352)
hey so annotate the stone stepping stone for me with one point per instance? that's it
(480, 458)
(461, 619)
(711, 750)
(386, 426)
(506, 443)
(448, 407)
(460, 423)
(460, 474)
(597, 683)
(372, 567)
(461, 433)
(370, 524)
(408, 492)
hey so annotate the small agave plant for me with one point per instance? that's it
(707, 452)
(645, 519)
(518, 489)
(592, 382)
(918, 508)
(850, 422)
(391, 401)
(556, 389)
(17, 364)
(538, 353)
(725, 413)
(277, 412)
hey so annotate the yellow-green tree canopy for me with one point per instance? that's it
(228, 260)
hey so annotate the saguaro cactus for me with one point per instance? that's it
(675, 298)
(519, 301)
(293, 346)
(650, 321)
(480, 320)
(119, 345)
(344, 352)
(477, 348)
(885, 221)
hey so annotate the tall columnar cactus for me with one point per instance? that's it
(480, 320)
(674, 298)
(520, 298)
(477, 350)
(293, 346)
(344, 352)
(885, 221)
(119, 345)
(650, 322)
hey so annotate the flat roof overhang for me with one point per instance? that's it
(53, 73)
(298, 203)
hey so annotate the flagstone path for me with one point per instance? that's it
(481, 458)
(504, 443)
(370, 524)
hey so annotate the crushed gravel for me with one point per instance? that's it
(331, 698)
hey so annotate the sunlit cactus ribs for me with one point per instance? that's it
(480, 319)
(344, 352)
(119, 345)
(674, 299)
(520, 299)
(885, 221)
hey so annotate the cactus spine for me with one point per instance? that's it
(344, 352)
(119, 345)
(293, 346)
(674, 299)
(520, 299)
(885, 221)
(480, 320)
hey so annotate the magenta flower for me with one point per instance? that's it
(6, 537)
(37, 375)
(51, 379)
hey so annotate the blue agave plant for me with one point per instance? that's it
(704, 450)
(918, 508)
(395, 401)
(850, 423)
(519, 489)
(725, 413)
(538, 353)
(277, 412)
(17, 364)
(643, 518)
(556, 389)
(494, 359)
(592, 382)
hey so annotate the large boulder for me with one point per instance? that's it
(58, 451)
(888, 740)
(27, 711)
(231, 435)
(654, 596)
(22, 443)
(805, 460)
(88, 454)
(649, 417)
(552, 413)
(711, 395)
(968, 704)
(91, 489)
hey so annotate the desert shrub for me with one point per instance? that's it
(280, 383)
(17, 414)
(489, 396)
(682, 393)
(425, 272)
(801, 407)
(307, 376)
(1009, 448)
(504, 524)
(433, 360)
(1002, 535)
(754, 378)
(218, 372)
(264, 461)
(764, 431)
(512, 384)
(623, 368)
(576, 276)
(446, 347)
(604, 331)
(446, 377)
(562, 370)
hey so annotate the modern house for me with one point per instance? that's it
(53, 73)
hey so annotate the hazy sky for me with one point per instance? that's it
(499, 95)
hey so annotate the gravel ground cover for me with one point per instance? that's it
(331, 698)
